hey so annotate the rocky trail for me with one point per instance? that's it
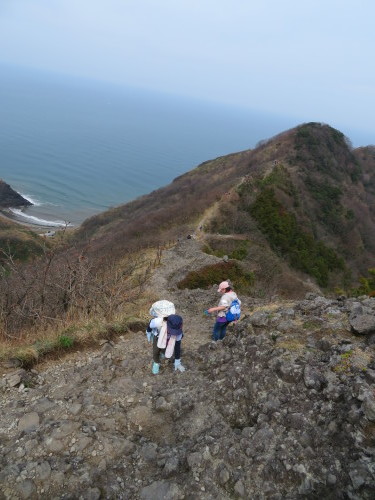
(284, 407)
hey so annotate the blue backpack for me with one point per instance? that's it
(234, 311)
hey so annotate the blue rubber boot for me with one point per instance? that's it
(178, 366)
(155, 368)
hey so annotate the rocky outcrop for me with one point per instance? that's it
(10, 198)
(284, 407)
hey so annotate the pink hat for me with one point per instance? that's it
(223, 285)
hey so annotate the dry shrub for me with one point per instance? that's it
(63, 287)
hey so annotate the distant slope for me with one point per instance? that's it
(313, 199)
(304, 198)
(164, 214)
(18, 241)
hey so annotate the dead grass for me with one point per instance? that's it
(45, 340)
(56, 342)
(294, 345)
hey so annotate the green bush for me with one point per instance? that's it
(65, 341)
(19, 248)
(210, 275)
(286, 237)
(328, 196)
(367, 285)
(234, 249)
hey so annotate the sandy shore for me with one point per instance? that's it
(37, 228)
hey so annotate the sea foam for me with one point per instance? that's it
(31, 219)
(32, 200)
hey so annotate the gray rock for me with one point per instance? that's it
(355, 308)
(26, 489)
(194, 459)
(171, 465)
(53, 444)
(66, 428)
(29, 422)
(370, 375)
(42, 405)
(323, 344)
(31, 445)
(239, 488)
(91, 494)
(75, 408)
(43, 471)
(57, 478)
(262, 440)
(83, 442)
(259, 318)
(359, 475)
(296, 421)
(148, 452)
(363, 324)
(127, 447)
(368, 405)
(161, 404)
(160, 490)
(14, 380)
(320, 303)
(223, 475)
(313, 379)
(288, 312)
(286, 325)
(331, 479)
(272, 404)
(289, 372)
(369, 302)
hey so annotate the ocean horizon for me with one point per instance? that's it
(75, 148)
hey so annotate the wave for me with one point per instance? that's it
(35, 202)
(38, 222)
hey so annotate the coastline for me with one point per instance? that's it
(41, 229)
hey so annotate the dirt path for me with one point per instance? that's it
(184, 256)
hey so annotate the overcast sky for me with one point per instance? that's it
(309, 59)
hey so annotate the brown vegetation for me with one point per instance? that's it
(321, 191)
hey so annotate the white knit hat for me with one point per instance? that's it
(162, 308)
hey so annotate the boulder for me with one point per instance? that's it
(363, 324)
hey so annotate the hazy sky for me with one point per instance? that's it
(312, 59)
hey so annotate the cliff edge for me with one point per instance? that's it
(10, 198)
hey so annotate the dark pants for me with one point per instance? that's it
(156, 350)
(220, 329)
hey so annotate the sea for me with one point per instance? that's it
(76, 147)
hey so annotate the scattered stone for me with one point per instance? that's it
(254, 417)
(239, 488)
(29, 422)
(194, 460)
(75, 408)
(160, 490)
(43, 471)
(26, 489)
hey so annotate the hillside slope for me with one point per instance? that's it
(282, 408)
(296, 214)
(19, 242)
(303, 201)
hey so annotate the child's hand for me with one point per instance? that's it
(206, 312)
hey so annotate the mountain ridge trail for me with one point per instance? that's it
(283, 407)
